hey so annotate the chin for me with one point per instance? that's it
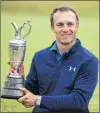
(66, 42)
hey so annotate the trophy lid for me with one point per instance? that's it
(17, 42)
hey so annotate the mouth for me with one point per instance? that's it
(66, 34)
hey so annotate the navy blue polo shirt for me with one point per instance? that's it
(58, 55)
(69, 85)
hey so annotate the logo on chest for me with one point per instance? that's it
(72, 68)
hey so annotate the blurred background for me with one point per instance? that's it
(42, 36)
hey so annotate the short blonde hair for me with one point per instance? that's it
(61, 9)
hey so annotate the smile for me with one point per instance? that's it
(66, 34)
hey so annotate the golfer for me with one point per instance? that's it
(63, 76)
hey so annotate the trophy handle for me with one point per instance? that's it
(27, 22)
(17, 30)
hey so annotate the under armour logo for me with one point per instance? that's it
(72, 69)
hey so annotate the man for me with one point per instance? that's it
(62, 77)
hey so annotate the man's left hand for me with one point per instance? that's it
(29, 99)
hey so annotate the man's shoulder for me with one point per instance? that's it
(88, 54)
(44, 51)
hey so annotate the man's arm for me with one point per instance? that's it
(79, 96)
(31, 82)
(81, 93)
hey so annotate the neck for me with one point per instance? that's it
(64, 47)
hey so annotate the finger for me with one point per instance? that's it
(25, 91)
(21, 70)
(27, 106)
(12, 70)
(8, 62)
(22, 65)
(22, 99)
(9, 73)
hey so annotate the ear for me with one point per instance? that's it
(52, 27)
(77, 25)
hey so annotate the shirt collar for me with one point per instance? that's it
(55, 48)
(72, 50)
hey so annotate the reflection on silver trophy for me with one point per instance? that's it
(17, 48)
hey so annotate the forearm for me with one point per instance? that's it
(80, 95)
(69, 101)
(31, 82)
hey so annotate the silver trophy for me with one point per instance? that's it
(17, 48)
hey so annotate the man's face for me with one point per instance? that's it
(65, 27)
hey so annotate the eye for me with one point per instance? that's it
(70, 24)
(60, 24)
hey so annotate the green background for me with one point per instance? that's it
(42, 36)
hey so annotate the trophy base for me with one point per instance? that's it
(10, 97)
(11, 93)
(11, 90)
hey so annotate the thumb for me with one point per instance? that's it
(25, 91)
(8, 62)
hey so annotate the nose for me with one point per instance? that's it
(65, 28)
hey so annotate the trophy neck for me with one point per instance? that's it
(17, 42)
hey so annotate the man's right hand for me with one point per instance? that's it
(20, 70)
